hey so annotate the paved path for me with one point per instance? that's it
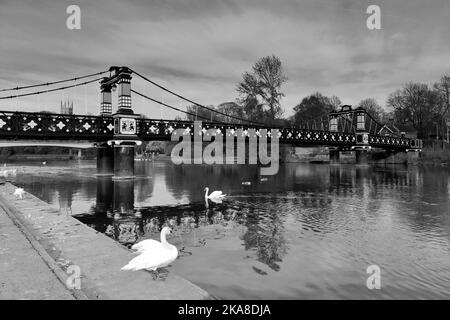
(60, 241)
(23, 272)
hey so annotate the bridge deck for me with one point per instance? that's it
(52, 126)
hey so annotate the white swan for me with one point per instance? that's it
(153, 254)
(18, 193)
(7, 173)
(215, 196)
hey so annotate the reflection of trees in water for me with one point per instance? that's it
(144, 189)
(192, 179)
(193, 225)
(265, 232)
(422, 191)
(145, 184)
(432, 202)
(126, 231)
(256, 212)
(369, 181)
(60, 189)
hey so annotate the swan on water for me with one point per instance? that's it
(18, 193)
(215, 196)
(153, 254)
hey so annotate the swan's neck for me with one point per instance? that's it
(206, 194)
(163, 238)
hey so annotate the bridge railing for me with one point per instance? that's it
(43, 125)
(53, 125)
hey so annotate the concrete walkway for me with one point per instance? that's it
(62, 241)
(24, 274)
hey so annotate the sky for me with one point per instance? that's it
(201, 48)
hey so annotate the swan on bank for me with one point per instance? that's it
(153, 254)
(18, 193)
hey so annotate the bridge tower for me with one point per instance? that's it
(105, 152)
(333, 127)
(362, 138)
(116, 157)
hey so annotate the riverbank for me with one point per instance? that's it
(65, 242)
(435, 157)
(25, 273)
(41, 157)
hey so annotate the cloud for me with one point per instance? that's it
(202, 47)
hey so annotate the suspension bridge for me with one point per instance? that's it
(115, 134)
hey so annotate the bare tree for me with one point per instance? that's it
(374, 109)
(415, 104)
(313, 107)
(443, 90)
(335, 102)
(264, 85)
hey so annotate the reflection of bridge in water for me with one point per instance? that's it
(261, 228)
(193, 224)
(116, 135)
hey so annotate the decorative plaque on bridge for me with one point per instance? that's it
(126, 126)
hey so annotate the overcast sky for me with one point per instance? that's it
(200, 48)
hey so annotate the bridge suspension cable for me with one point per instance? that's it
(316, 122)
(50, 90)
(379, 126)
(166, 105)
(193, 102)
(54, 82)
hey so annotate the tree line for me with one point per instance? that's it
(415, 107)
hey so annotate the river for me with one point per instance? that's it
(309, 232)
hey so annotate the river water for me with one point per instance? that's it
(309, 232)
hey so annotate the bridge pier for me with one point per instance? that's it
(123, 161)
(123, 201)
(105, 193)
(334, 155)
(362, 156)
(412, 156)
(105, 160)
